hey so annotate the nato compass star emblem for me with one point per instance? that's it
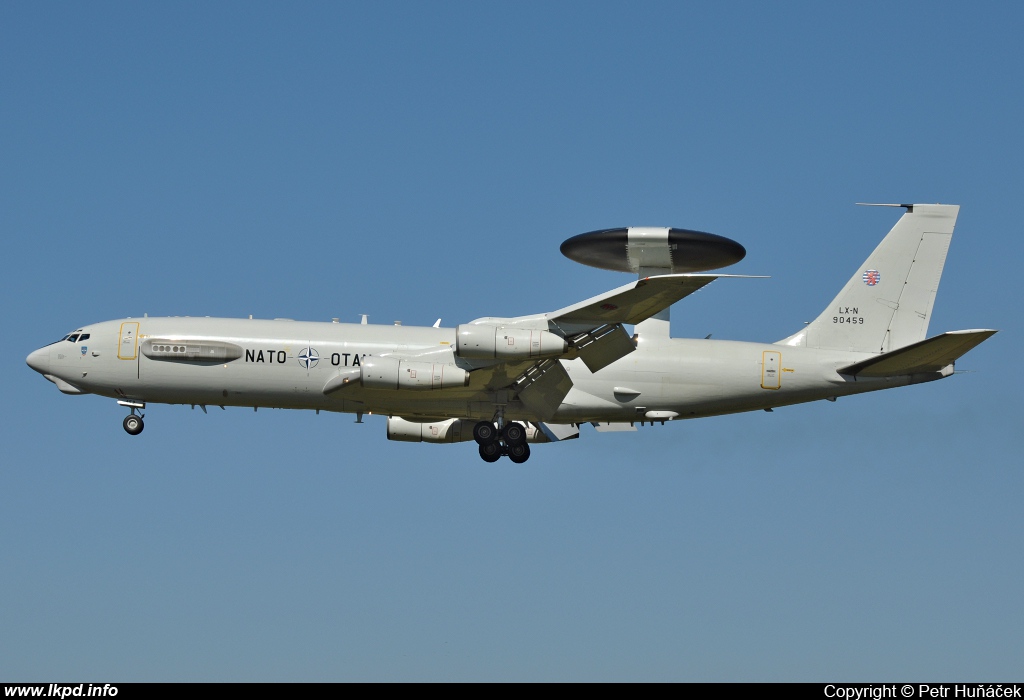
(308, 358)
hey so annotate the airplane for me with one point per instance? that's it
(507, 383)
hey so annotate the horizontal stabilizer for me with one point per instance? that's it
(929, 355)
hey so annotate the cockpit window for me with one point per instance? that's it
(73, 338)
(84, 336)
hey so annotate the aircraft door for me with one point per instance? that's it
(128, 343)
(127, 365)
(771, 370)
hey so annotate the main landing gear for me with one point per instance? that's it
(510, 440)
(133, 424)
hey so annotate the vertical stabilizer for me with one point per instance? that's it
(888, 302)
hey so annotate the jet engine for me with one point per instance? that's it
(451, 430)
(461, 430)
(482, 342)
(391, 373)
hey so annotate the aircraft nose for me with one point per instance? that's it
(39, 360)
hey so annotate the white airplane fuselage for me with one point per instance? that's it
(504, 382)
(688, 377)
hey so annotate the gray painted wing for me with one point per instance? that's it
(630, 303)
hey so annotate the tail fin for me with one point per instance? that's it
(887, 303)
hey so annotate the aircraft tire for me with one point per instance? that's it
(514, 434)
(491, 452)
(485, 433)
(133, 425)
(519, 453)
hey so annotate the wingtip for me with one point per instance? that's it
(876, 204)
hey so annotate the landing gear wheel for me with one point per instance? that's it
(485, 433)
(133, 425)
(519, 453)
(491, 452)
(514, 434)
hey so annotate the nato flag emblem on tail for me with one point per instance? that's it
(872, 277)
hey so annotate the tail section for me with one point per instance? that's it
(932, 355)
(888, 302)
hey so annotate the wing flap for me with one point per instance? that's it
(556, 432)
(543, 386)
(603, 346)
(613, 427)
(929, 355)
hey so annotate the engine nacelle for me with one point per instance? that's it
(390, 373)
(481, 342)
(459, 430)
(451, 430)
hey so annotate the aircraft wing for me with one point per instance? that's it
(593, 330)
(929, 355)
(594, 326)
(631, 303)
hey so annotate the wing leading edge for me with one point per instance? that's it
(631, 303)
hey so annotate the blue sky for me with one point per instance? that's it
(414, 161)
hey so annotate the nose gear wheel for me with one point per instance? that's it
(133, 424)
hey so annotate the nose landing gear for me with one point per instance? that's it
(512, 442)
(133, 424)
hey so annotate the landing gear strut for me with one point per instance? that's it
(512, 442)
